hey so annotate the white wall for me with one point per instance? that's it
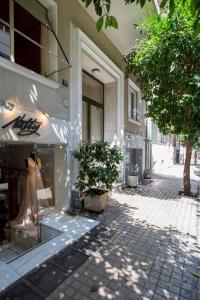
(60, 176)
(162, 156)
(110, 112)
(33, 91)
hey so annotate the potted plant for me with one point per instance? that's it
(99, 169)
(133, 177)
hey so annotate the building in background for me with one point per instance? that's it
(134, 131)
(162, 149)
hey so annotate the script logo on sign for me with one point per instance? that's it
(26, 127)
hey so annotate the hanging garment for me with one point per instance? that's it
(28, 213)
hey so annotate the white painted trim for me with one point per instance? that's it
(90, 48)
(86, 45)
(48, 3)
(134, 86)
(13, 67)
(157, 6)
(52, 13)
(79, 42)
(75, 86)
(134, 122)
(136, 89)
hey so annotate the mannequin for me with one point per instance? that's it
(33, 156)
(28, 213)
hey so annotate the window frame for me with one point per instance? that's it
(133, 89)
(51, 7)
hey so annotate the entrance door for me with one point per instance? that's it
(92, 109)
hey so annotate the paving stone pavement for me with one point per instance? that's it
(147, 249)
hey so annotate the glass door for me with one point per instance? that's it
(92, 108)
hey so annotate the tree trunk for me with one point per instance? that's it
(186, 175)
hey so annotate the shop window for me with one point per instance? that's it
(32, 190)
(92, 108)
(25, 37)
(133, 105)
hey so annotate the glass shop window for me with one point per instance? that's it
(32, 191)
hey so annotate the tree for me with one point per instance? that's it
(102, 9)
(167, 65)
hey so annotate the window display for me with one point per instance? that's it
(32, 186)
(27, 216)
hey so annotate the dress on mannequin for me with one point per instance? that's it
(28, 213)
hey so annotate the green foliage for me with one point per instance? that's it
(102, 9)
(167, 64)
(98, 166)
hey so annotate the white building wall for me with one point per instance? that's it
(162, 156)
(110, 112)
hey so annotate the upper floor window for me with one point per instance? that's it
(25, 36)
(134, 100)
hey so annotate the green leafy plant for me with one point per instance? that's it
(167, 63)
(99, 166)
(103, 7)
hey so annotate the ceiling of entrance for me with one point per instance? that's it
(88, 64)
(127, 16)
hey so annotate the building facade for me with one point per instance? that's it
(61, 83)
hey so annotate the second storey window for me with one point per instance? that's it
(25, 35)
(133, 105)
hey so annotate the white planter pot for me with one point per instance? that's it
(133, 181)
(95, 203)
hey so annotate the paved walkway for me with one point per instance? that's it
(146, 248)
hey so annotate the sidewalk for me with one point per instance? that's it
(146, 247)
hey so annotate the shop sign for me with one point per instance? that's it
(24, 126)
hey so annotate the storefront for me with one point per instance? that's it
(33, 177)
